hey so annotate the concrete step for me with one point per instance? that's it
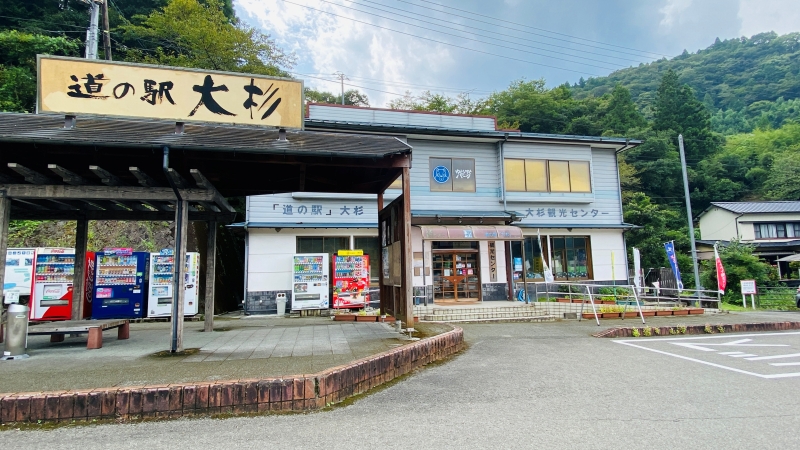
(481, 315)
(500, 320)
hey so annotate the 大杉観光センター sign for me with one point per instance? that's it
(80, 86)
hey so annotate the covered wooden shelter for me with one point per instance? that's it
(56, 167)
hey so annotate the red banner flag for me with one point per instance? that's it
(722, 279)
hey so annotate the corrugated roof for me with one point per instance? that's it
(419, 129)
(116, 132)
(759, 207)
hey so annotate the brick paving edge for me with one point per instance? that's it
(619, 332)
(294, 393)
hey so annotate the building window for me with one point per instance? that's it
(532, 175)
(327, 244)
(776, 230)
(571, 257)
(533, 266)
(452, 174)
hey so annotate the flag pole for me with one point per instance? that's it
(689, 218)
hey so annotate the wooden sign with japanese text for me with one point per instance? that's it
(81, 86)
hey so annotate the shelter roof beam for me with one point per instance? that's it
(68, 176)
(31, 176)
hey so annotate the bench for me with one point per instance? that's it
(94, 328)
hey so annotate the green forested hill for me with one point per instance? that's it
(742, 81)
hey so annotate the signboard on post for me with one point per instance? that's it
(748, 288)
(77, 86)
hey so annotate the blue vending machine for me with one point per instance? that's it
(119, 287)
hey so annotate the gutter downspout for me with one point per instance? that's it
(503, 171)
(178, 238)
(736, 223)
(622, 214)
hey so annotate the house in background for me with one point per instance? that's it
(772, 227)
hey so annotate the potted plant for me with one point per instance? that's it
(664, 312)
(677, 311)
(631, 313)
(363, 317)
(344, 317)
(694, 311)
(648, 313)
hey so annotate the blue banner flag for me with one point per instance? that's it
(673, 262)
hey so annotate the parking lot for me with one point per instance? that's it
(523, 385)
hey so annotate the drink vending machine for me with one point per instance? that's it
(19, 272)
(310, 281)
(350, 279)
(52, 287)
(119, 284)
(162, 270)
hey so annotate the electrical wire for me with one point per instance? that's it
(440, 42)
(476, 34)
(467, 38)
(532, 28)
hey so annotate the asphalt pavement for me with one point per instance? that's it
(524, 385)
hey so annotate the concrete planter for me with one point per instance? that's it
(697, 311)
(664, 313)
(648, 313)
(631, 313)
(680, 312)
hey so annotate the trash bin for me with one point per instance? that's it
(281, 299)
(16, 332)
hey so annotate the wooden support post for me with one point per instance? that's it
(211, 255)
(79, 277)
(407, 304)
(179, 283)
(5, 208)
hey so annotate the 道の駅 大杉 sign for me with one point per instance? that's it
(79, 86)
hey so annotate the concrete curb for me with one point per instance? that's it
(298, 393)
(538, 319)
(619, 332)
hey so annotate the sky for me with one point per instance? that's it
(388, 47)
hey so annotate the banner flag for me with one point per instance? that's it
(722, 279)
(637, 268)
(673, 262)
(548, 274)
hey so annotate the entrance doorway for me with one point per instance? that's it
(456, 272)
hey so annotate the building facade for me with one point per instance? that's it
(773, 228)
(490, 208)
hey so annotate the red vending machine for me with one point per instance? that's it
(51, 296)
(350, 279)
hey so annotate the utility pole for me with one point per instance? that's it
(341, 78)
(91, 33)
(689, 216)
(106, 32)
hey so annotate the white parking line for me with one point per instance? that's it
(746, 341)
(760, 358)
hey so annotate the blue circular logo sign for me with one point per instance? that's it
(441, 174)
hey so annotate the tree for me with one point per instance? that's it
(621, 114)
(740, 264)
(657, 225)
(18, 66)
(351, 97)
(427, 101)
(187, 33)
(677, 110)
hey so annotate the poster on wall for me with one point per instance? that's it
(385, 264)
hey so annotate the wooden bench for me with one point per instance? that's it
(94, 328)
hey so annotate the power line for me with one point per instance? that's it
(533, 28)
(438, 41)
(471, 39)
(481, 35)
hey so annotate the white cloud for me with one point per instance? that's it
(672, 12)
(780, 16)
(325, 44)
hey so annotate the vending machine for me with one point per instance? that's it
(350, 279)
(310, 281)
(52, 287)
(19, 272)
(159, 302)
(119, 284)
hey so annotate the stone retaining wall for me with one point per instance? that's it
(293, 393)
(701, 329)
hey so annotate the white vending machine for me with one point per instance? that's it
(159, 301)
(310, 281)
(19, 272)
